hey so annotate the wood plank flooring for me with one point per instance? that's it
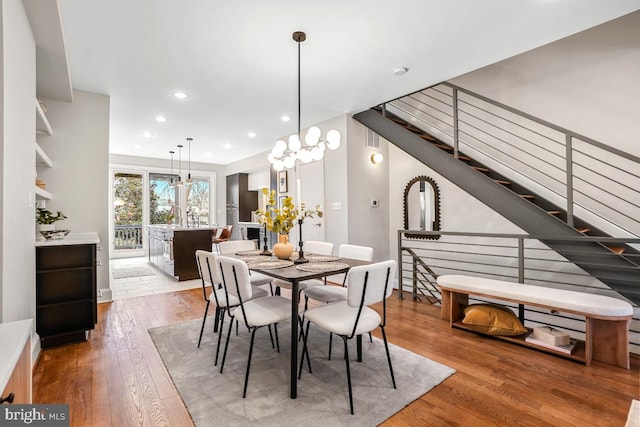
(117, 379)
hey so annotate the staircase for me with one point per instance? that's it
(615, 265)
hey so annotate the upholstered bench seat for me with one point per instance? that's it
(606, 318)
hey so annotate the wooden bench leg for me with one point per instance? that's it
(453, 305)
(607, 341)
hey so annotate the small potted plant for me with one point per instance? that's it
(46, 219)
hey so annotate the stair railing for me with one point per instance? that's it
(423, 279)
(591, 180)
(520, 258)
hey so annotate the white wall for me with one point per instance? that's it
(589, 82)
(17, 282)
(79, 178)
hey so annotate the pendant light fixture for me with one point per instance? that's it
(180, 183)
(172, 182)
(189, 180)
(285, 155)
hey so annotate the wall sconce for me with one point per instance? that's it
(377, 158)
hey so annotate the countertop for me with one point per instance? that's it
(71, 239)
(182, 228)
(250, 224)
(13, 336)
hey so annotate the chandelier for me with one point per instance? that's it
(285, 154)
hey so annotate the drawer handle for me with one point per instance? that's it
(8, 399)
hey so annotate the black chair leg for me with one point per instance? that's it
(246, 375)
(216, 320)
(273, 345)
(220, 326)
(346, 353)
(370, 338)
(226, 346)
(275, 329)
(204, 320)
(386, 347)
(305, 351)
(330, 341)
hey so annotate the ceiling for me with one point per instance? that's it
(238, 61)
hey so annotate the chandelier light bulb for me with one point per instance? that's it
(322, 146)
(281, 145)
(333, 139)
(313, 136)
(271, 157)
(289, 162)
(294, 143)
(305, 156)
(278, 165)
(317, 153)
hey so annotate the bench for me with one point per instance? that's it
(606, 318)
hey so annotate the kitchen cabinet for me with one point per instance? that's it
(15, 364)
(66, 295)
(241, 202)
(172, 249)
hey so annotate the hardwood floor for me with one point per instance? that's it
(116, 378)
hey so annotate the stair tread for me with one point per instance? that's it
(427, 137)
(503, 182)
(444, 147)
(616, 249)
(554, 212)
(464, 158)
(583, 230)
(527, 196)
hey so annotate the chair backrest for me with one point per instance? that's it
(370, 284)
(233, 246)
(318, 248)
(235, 278)
(208, 269)
(362, 253)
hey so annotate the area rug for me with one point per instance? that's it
(633, 418)
(216, 399)
(122, 273)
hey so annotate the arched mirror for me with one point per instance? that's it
(422, 207)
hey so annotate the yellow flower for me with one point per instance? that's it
(282, 219)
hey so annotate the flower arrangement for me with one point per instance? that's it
(45, 216)
(282, 219)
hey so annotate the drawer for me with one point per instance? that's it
(64, 285)
(62, 318)
(57, 257)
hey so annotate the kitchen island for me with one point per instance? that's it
(172, 248)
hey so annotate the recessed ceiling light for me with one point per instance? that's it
(227, 145)
(180, 94)
(147, 134)
(285, 118)
(208, 154)
(399, 71)
(161, 119)
(137, 146)
(251, 134)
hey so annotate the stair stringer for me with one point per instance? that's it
(590, 256)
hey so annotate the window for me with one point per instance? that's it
(127, 211)
(198, 202)
(163, 208)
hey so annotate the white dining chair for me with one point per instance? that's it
(366, 285)
(209, 272)
(339, 293)
(310, 247)
(255, 313)
(231, 247)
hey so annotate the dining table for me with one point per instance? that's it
(295, 273)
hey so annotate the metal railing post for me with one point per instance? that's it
(569, 160)
(400, 284)
(455, 123)
(520, 259)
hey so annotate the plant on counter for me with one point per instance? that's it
(45, 216)
(282, 219)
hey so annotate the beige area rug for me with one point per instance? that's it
(216, 399)
(123, 273)
(633, 419)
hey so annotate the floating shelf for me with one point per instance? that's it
(42, 124)
(42, 194)
(42, 159)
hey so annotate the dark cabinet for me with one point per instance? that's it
(66, 303)
(240, 201)
(173, 251)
